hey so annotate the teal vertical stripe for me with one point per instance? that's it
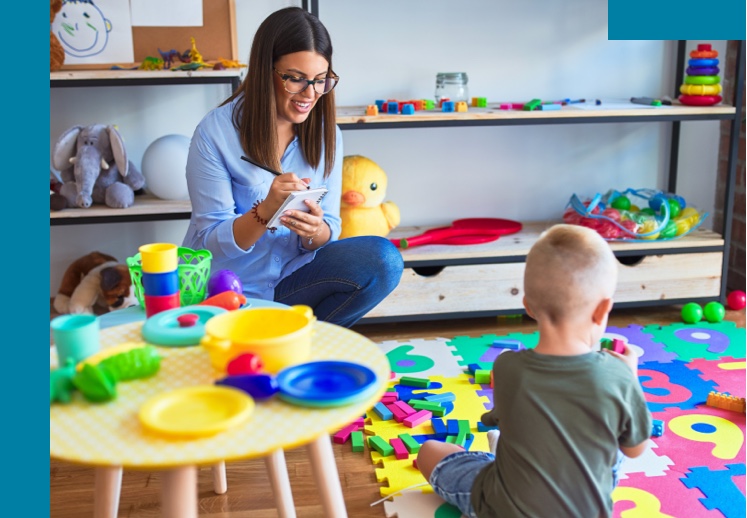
(675, 20)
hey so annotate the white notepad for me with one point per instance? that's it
(295, 201)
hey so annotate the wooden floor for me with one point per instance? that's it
(249, 493)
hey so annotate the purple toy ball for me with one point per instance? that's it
(224, 280)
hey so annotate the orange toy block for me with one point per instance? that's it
(725, 402)
(372, 109)
(461, 106)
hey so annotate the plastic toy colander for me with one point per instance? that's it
(193, 270)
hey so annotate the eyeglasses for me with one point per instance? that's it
(296, 85)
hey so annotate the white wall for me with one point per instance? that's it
(514, 51)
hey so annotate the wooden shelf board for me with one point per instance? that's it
(518, 245)
(87, 75)
(144, 205)
(357, 114)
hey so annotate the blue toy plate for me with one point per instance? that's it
(326, 383)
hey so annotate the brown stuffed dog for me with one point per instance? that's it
(95, 278)
(56, 52)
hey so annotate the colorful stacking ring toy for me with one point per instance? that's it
(702, 80)
(703, 54)
(702, 62)
(702, 71)
(700, 100)
(700, 89)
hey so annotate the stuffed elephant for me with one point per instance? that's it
(94, 168)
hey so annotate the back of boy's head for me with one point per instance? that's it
(570, 269)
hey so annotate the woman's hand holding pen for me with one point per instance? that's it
(282, 185)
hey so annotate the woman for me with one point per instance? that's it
(282, 117)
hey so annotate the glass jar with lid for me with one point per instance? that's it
(452, 86)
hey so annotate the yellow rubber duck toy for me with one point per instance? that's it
(362, 209)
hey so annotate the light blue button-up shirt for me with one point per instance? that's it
(222, 187)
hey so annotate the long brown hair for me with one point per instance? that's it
(284, 32)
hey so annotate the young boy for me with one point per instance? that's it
(565, 410)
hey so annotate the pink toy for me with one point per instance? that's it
(187, 319)
(736, 300)
(417, 418)
(224, 280)
(399, 448)
(246, 363)
(618, 345)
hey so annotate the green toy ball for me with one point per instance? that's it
(692, 313)
(674, 208)
(621, 203)
(714, 312)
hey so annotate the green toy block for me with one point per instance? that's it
(410, 381)
(532, 105)
(482, 102)
(460, 439)
(380, 445)
(356, 438)
(451, 439)
(410, 443)
(435, 408)
(428, 104)
(482, 377)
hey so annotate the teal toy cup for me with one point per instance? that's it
(76, 337)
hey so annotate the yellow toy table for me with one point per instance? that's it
(110, 437)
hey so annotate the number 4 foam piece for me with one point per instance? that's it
(417, 418)
(410, 381)
(399, 448)
(380, 445)
(383, 412)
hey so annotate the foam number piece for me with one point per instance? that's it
(672, 385)
(402, 362)
(645, 504)
(719, 488)
(726, 436)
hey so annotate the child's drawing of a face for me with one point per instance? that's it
(81, 28)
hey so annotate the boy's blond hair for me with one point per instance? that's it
(570, 269)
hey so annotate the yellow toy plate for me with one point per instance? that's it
(198, 411)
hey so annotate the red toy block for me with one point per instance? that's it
(399, 448)
(405, 407)
(418, 104)
(442, 101)
(397, 412)
(491, 378)
(342, 436)
(417, 418)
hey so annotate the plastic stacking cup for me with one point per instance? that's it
(159, 257)
(166, 283)
(281, 337)
(154, 304)
(76, 337)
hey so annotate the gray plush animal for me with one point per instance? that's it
(94, 168)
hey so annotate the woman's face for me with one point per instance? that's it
(295, 108)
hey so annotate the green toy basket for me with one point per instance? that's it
(193, 270)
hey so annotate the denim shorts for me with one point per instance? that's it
(452, 478)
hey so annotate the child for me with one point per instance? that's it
(564, 409)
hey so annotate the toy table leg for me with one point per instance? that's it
(179, 492)
(280, 483)
(220, 485)
(327, 480)
(108, 483)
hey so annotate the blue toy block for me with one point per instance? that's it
(441, 398)
(439, 428)
(473, 367)
(382, 411)
(657, 428)
(408, 109)
(507, 344)
(447, 106)
(379, 103)
(392, 107)
(482, 428)
(452, 426)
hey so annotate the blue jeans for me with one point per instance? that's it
(346, 279)
(452, 478)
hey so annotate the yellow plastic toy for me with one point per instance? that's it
(363, 210)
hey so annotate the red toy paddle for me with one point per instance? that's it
(468, 231)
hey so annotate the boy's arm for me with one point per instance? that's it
(634, 451)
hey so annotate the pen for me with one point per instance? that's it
(246, 158)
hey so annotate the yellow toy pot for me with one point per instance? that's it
(280, 336)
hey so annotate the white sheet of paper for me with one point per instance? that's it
(166, 13)
(95, 32)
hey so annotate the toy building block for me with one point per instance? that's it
(505, 106)
(410, 381)
(399, 448)
(441, 398)
(410, 443)
(397, 412)
(447, 107)
(461, 106)
(372, 109)
(549, 107)
(384, 108)
(506, 344)
(482, 102)
(657, 428)
(473, 367)
(417, 418)
(451, 439)
(725, 402)
(482, 377)
(383, 412)
(407, 409)
(439, 428)
(434, 407)
(428, 104)
(474, 102)
(379, 103)
(342, 436)
(380, 445)
(392, 107)
(391, 393)
(532, 105)
(492, 382)
(442, 101)
(408, 109)
(418, 104)
(615, 345)
(482, 428)
(356, 439)
(452, 426)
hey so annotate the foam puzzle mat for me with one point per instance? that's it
(695, 468)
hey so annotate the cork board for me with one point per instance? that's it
(216, 38)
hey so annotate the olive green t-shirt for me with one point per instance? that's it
(562, 420)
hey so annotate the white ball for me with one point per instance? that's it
(164, 167)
